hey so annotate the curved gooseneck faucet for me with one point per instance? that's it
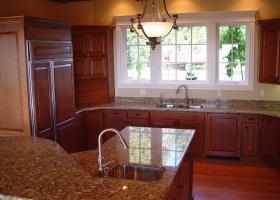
(187, 100)
(100, 159)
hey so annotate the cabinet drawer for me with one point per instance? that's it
(138, 114)
(50, 50)
(250, 118)
(115, 113)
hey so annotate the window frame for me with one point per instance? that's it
(212, 20)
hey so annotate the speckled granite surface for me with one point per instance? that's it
(246, 107)
(41, 169)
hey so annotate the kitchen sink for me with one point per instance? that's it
(180, 106)
(136, 172)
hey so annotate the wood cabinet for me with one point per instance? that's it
(93, 64)
(270, 140)
(63, 90)
(250, 136)
(223, 135)
(269, 69)
(165, 119)
(116, 119)
(43, 99)
(36, 56)
(67, 136)
(93, 124)
(138, 118)
(182, 184)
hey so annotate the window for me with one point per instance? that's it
(137, 57)
(184, 54)
(232, 53)
(210, 51)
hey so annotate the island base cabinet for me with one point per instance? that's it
(223, 135)
(182, 185)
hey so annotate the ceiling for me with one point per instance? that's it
(67, 1)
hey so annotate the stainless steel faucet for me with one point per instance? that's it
(100, 159)
(187, 99)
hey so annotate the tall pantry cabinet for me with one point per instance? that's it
(36, 71)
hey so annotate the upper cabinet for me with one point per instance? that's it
(269, 69)
(93, 64)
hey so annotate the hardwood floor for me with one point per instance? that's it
(233, 180)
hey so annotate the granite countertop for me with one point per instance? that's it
(246, 108)
(41, 169)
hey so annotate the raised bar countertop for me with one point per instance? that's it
(41, 169)
(246, 108)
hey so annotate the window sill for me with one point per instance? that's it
(205, 86)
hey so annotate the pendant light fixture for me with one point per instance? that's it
(158, 27)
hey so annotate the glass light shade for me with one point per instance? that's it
(154, 29)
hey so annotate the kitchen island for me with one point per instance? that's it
(41, 169)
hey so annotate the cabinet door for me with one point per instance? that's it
(250, 139)
(82, 68)
(97, 42)
(270, 52)
(198, 141)
(93, 121)
(138, 118)
(163, 123)
(223, 135)
(270, 139)
(116, 119)
(50, 50)
(67, 136)
(64, 90)
(42, 99)
(79, 43)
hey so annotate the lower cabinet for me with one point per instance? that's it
(67, 136)
(182, 185)
(93, 125)
(183, 120)
(138, 118)
(223, 135)
(71, 135)
(250, 136)
(116, 119)
(270, 140)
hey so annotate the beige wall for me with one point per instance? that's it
(104, 13)
(77, 12)
(100, 12)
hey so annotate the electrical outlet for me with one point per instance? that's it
(142, 91)
(262, 92)
(219, 92)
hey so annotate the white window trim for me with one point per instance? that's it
(211, 19)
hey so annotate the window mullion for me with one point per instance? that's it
(155, 65)
(212, 54)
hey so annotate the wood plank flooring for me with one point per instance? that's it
(235, 180)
